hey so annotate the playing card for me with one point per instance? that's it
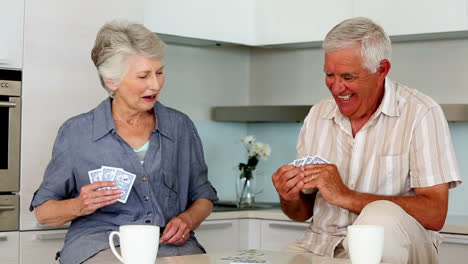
(299, 162)
(308, 160)
(95, 175)
(108, 174)
(124, 181)
(319, 160)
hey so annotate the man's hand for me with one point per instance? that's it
(177, 231)
(288, 182)
(327, 179)
(91, 199)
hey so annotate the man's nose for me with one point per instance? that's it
(337, 86)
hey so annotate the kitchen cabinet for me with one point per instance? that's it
(400, 17)
(297, 21)
(300, 23)
(242, 234)
(9, 247)
(247, 22)
(11, 33)
(40, 246)
(453, 249)
(216, 235)
(228, 21)
(277, 235)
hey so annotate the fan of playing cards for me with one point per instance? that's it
(309, 160)
(123, 179)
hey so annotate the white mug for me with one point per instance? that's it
(365, 243)
(138, 243)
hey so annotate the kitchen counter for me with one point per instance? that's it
(455, 224)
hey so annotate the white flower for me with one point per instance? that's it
(247, 140)
(256, 149)
(266, 151)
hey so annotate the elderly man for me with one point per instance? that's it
(392, 158)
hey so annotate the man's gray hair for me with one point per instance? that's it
(375, 43)
(116, 41)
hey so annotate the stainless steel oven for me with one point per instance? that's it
(10, 132)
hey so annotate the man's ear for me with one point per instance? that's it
(384, 67)
(110, 84)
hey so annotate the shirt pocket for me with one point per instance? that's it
(170, 196)
(393, 174)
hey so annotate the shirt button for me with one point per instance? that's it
(143, 178)
(149, 213)
(148, 221)
(146, 198)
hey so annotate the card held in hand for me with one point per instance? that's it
(317, 159)
(95, 175)
(124, 181)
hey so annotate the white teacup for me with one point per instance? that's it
(365, 243)
(138, 244)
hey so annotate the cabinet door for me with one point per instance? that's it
(217, 235)
(277, 235)
(401, 17)
(9, 247)
(225, 21)
(454, 249)
(297, 21)
(11, 33)
(40, 246)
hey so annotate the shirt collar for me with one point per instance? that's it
(103, 122)
(388, 106)
(163, 121)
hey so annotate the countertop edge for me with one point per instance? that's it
(455, 224)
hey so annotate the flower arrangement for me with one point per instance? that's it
(245, 187)
(256, 151)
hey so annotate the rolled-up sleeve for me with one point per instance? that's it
(199, 187)
(58, 182)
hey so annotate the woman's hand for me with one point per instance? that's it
(58, 212)
(91, 199)
(177, 231)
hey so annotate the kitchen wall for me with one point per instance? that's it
(293, 77)
(199, 78)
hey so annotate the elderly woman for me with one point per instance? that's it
(133, 132)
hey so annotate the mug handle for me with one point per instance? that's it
(111, 243)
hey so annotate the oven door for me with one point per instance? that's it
(10, 116)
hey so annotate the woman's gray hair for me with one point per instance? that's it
(116, 41)
(375, 43)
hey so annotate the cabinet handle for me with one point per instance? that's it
(4, 61)
(455, 239)
(7, 104)
(6, 207)
(51, 236)
(287, 226)
(3, 238)
(208, 226)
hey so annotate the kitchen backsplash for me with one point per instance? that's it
(223, 152)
